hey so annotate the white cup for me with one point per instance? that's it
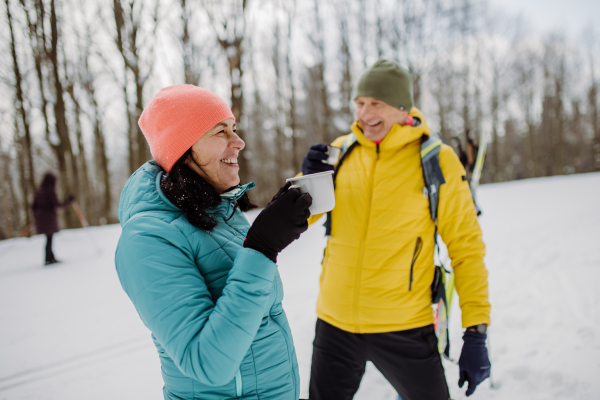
(320, 188)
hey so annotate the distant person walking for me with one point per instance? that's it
(44, 208)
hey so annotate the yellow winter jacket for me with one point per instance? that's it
(379, 215)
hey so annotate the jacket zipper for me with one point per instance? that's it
(418, 248)
(324, 268)
(238, 383)
(362, 243)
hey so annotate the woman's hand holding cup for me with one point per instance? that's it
(282, 221)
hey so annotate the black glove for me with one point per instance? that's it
(281, 222)
(474, 364)
(70, 198)
(313, 161)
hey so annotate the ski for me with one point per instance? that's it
(442, 309)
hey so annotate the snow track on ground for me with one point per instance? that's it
(69, 332)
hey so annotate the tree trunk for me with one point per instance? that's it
(283, 161)
(231, 42)
(594, 113)
(84, 191)
(27, 170)
(292, 113)
(102, 164)
(63, 150)
(346, 60)
(495, 145)
(326, 134)
(9, 198)
(38, 40)
(127, 33)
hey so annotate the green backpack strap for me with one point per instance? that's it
(432, 172)
(434, 178)
(346, 147)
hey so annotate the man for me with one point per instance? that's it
(375, 299)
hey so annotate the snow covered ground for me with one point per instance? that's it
(69, 332)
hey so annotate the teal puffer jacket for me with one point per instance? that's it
(213, 306)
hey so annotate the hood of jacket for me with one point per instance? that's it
(142, 193)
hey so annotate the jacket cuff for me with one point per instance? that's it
(256, 263)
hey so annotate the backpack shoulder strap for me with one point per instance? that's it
(432, 172)
(346, 147)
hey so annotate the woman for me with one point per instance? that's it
(45, 204)
(202, 280)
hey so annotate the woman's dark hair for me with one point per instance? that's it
(190, 192)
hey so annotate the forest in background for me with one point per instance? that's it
(75, 76)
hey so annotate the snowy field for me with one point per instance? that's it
(69, 332)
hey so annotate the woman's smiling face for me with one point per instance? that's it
(215, 156)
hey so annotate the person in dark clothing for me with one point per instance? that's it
(45, 205)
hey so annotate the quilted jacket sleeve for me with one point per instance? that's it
(459, 228)
(206, 341)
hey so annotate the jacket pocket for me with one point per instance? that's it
(324, 265)
(418, 248)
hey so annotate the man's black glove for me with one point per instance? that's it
(313, 161)
(281, 222)
(474, 364)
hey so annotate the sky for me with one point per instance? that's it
(551, 15)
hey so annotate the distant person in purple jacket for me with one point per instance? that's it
(44, 208)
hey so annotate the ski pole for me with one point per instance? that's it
(79, 214)
(25, 231)
(85, 224)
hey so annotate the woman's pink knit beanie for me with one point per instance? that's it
(176, 118)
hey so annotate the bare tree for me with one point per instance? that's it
(592, 40)
(81, 176)
(594, 112)
(24, 143)
(362, 18)
(190, 50)
(38, 39)
(228, 20)
(292, 111)
(136, 46)
(553, 112)
(101, 161)
(346, 65)
(63, 149)
(10, 211)
(319, 93)
(283, 167)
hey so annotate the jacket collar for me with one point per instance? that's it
(230, 199)
(398, 136)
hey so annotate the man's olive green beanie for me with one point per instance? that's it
(389, 82)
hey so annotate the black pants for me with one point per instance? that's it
(409, 360)
(49, 253)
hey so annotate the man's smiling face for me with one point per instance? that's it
(377, 117)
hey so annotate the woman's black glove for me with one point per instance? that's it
(281, 222)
